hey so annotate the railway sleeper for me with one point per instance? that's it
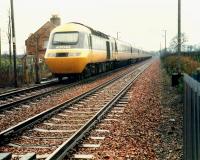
(9, 156)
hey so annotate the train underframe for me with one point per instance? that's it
(97, 68)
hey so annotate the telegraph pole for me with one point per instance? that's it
(160, 49)
(165, 41)
(9, 39)
(14, 43)
(0, 47)
(118, 35)
(179, 27)
(37, 81)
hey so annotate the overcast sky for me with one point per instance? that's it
(139, 22)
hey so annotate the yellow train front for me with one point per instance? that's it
(78, 50)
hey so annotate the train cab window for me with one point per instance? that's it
(65, 38)
(68, 40)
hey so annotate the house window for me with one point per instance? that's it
(45, 44)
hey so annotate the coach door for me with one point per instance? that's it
(108, 50)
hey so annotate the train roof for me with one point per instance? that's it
(93, 31)
(75, 26)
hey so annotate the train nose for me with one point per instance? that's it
(66, 65)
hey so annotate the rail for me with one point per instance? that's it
(191, 118)
(19, 91)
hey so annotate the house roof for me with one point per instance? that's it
(46, 25)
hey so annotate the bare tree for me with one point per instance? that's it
(174, 42)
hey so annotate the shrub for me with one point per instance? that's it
(187, 64)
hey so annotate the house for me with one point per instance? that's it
(37, 42)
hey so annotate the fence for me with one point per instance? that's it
(25, 72)
(191, 119)
(7, 77)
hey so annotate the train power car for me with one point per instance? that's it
(76, 50)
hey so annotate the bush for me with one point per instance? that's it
(187, 64)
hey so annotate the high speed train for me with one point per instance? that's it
(76, 50)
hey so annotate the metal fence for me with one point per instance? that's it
(7, 77)
(191, 119)
(25, 72)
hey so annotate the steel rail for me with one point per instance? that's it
(33, 97)
(19, 91)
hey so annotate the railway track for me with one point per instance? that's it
(90, 145)
(15, 92)
(15, 97)
(62, 126)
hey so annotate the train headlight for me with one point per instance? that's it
(73, 54)
(51, 55)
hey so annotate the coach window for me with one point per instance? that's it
(85, 41)
(130, 49)
(112, 47)
(94, 43)
(98, 43)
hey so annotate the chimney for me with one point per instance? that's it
(55, 20)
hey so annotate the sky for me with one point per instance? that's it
(139, 22)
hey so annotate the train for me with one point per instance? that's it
(76, 50)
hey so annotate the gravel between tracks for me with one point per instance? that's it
(144, 130)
